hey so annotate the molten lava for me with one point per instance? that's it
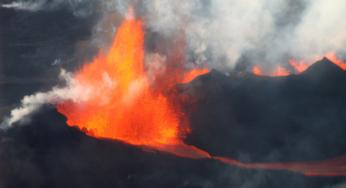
(257, 71)
(332, 57)
(302, 66)
(128, 109)
(280, 71)
(193, 74)
(131, 102)
(299, 67)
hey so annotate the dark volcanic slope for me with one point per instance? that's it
(264, 119)
(48, 153)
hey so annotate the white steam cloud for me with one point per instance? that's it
(74, 90)
(321, 29)
(80, 92)
(223, 33)
(269, 32)
(219, 33)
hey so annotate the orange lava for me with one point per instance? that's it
(301, 66)
(189, 76)
(333, 167)
(257, 71)
(304, 65)
(280, 71)
(332, 57)
(129, 106)
(129, 111)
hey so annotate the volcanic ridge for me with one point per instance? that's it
(246, 117)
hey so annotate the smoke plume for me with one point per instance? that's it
(220, 34)
(224, 33)
(266, 32)
(74, 90)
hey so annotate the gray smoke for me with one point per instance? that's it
(224, 33)
(266, 32)
(218, 33)
(74, 90)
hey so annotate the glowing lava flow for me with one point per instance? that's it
(130, 104)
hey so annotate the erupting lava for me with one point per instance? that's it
(131, 102)
(302, 66)
(129, 108)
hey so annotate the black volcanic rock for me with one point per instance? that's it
(48, 153)
(248, 117)
(264, 119)
(324, 67)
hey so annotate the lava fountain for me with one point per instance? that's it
(132, 107)
(131, 102)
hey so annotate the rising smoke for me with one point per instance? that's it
(223, 33)
(218, 33)
(265, 32)
(74, 90)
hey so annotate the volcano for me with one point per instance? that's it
(250, 118)
(129, 122)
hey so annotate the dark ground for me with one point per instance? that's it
(49, 153)
(265, 119)
(243, 116)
